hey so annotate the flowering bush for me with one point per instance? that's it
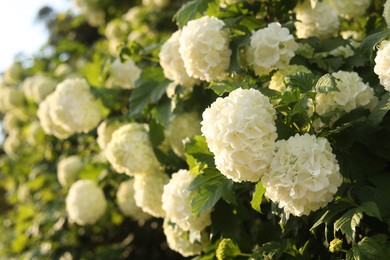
(245, 129)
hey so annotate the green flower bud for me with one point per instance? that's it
(335, 245)
(227, 249)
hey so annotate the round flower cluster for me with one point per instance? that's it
(126, 202)
(149, 188)
(10, 122)
(304, 175)
(105, 131)
(240, 131)
(68, 170)
(382, 63)
(85, 202)
(322, 21)
(349, 8)
(10, 98)
(176, 201)
(172, 62)
(38, 87)
(182, 126)
(352, 93)
(279, 78)
(124, 75)
(130, 150)
(271, 48)
(135, 16)
(386, 13)
(155, 3)
(179, 240)
(204, 48)
(71, 108)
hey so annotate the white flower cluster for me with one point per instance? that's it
(240, 131)
(135, 16)
(182, 126)
(349, 8)
(224, 3)
(11, 122)
(382, 63)
(352, 93)
(126, 202)
(204, 47)
(70, 109)
(172, 62)
(130, 150)
(176, 201)
(68, 169)
(322, 21)
(271, 48)
(10, 98)
(38, 87)
(279, 78)
(124, 75)
(304, 175)
(386, 13)
(12, 143)
(105, 131)
(85, 202)
(179, 240)
(90, 9)
(148, 189)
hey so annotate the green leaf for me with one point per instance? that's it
(380, 110)
(209, 187)
(192, 10)
(371, 248)
(257, 197)
(348, 222)
(150, 87)
(332, 44)
(369, 43)
(371, 209)
(303, 81)
(236, 45)
(197, 148)
(326, 83)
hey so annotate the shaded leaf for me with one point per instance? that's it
(257, 197)
(192, 10)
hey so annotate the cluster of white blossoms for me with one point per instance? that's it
(382, 63)
(126, 202)
(38, 87)
(149, 188)
(224, 3)
(85, 202)
(12, 143)
(240, 131)
(105, 131)
(204, 48)
(179, 240)
(155, 3)
(10, 98)
(280, 78)
(271, 48)
(10, 122)
(90, 9)
(349, 8)
(386, 13)
(303, 176)
(176, 201)
(182, 127)
(352, 93)
(172, 62)
(68, 169)
(70, 109)
(130, 150)
(124, 75)
(321, 21)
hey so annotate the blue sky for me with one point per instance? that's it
(20, 33)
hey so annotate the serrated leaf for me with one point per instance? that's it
(326, 83)
(150, 87)
(302, 81)
(380, 110)
(209, 187)
(257, 197)
(348, 222)
(192, 10)
(371, 209)
(369, 43)
(333, 210)
(197, 148)
(235, 45)
(370, 248)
